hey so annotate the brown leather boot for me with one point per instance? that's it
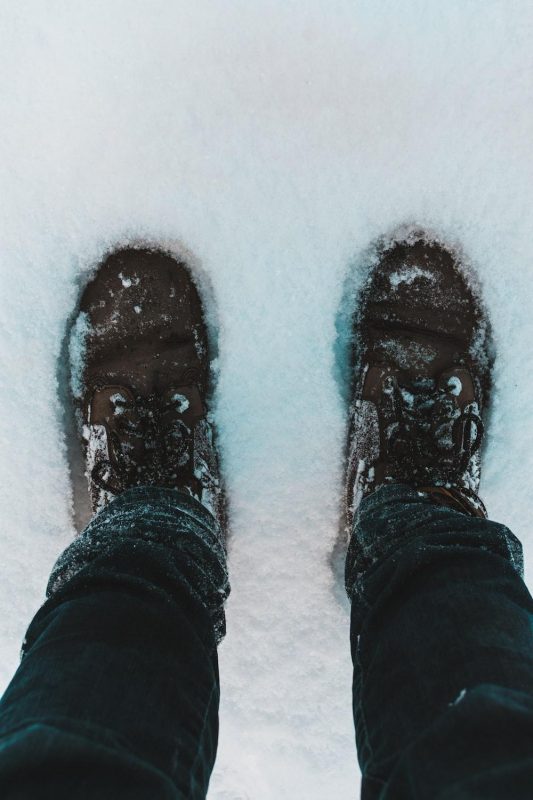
(142, 382)
(422, 377)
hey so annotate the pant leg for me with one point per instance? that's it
(117, 692)
(442, 647)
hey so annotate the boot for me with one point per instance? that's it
(142, 380)
(422, 377)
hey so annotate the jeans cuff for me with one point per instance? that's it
(164, 517)
(395, 514)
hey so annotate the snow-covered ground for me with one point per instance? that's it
(274, 140)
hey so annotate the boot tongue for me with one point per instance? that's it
(424, 418)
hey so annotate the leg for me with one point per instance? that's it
(117, 693)
(442, 647)
(442, 640)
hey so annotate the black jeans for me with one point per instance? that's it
(117, 692)
(442, 646)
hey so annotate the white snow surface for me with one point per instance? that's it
(274, 140)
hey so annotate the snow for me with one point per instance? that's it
(460, 696)
(455, 385)
(76, 353)
(126, 282)
(269, 143)
(182, 402)
(409, 275)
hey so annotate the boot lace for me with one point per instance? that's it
(150, 440)
(426, 428)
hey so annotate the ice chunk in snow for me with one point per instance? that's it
(126, 282)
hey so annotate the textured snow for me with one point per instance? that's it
(269, 143)
(76, 352)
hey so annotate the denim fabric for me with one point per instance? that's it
(442, 647)
(117, 693)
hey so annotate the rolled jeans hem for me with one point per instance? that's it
(395, 514)
(165, 518)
